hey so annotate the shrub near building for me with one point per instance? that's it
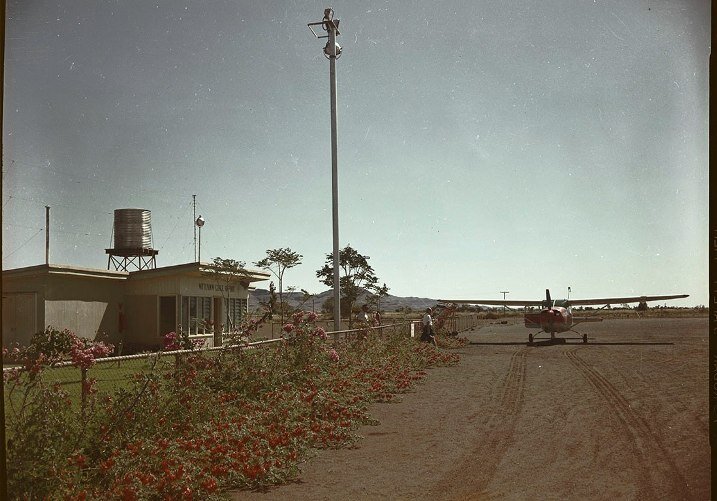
(239, 419)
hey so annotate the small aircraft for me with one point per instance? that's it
(556, 315)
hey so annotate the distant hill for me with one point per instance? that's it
(295, 299)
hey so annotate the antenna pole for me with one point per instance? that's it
(3, 451)
(504, 293)
(47, 235)
(194, 218)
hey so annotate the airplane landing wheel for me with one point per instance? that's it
(585, 338)
(530, 339)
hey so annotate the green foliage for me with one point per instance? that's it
(233, 419)
(42, 435)
(226, 268)
(327, 308)
(53, 344)
(380, 292)
(356, 276)
(277, 261)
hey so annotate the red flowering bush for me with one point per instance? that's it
(83, 352)
(233, 419)
(181, 341)
(43, 427)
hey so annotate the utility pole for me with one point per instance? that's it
(504, 293)
(3, 450)
(194, 220)
(47, 235)
(198, 223)
(332, 51)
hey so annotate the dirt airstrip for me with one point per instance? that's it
(623, 417)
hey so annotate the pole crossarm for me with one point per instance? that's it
(328, 23)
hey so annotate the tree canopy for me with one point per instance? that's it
(277, 261)
(356, 275)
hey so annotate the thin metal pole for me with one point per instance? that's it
(47, 234)
(504, 293)
(3, 451)
(334, 176)
(194, 224)
(199, 253)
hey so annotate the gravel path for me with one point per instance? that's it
(623, 417)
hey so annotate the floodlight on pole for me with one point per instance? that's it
(332, 51)
(199, 223)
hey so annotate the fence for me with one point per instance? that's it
(460, 323)
(111, 372)
(273, 329)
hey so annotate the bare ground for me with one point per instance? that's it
(623, 417)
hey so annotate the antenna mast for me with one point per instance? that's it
(47, 234)
(194, 218)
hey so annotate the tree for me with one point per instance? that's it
(305, 296)
(228, 271)
(381, 292)
(357, 275)
(277, 261)
(327, 307)
(270, 305)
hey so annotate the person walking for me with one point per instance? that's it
(362, 316)
(428, 335)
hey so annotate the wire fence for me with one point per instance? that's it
(109, 373)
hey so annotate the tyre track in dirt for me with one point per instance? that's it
(469, 479)
(659, 479)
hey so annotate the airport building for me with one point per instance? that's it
(131, 308)
(135, 309)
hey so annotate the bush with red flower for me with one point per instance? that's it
(237, 419)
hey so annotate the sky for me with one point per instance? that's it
(482, 146)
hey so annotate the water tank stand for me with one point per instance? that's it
(137, 259)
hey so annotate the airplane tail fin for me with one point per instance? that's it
(547, 296)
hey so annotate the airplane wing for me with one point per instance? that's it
(493, 302)
(620, 300)
(573, 302)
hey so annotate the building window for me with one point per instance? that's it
(235, 310)
(197, 315)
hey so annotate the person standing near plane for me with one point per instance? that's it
(428, 335)
(362, 316)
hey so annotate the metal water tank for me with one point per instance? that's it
(133, 229)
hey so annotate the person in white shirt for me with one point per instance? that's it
(428, 335)
(362, 316)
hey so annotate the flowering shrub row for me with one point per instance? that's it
(51, 347)
(236, 419)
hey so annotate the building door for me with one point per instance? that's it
(167, 314)
(19, 318)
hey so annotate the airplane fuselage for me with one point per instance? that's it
(551, 320)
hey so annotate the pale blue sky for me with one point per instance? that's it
(483, 146)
